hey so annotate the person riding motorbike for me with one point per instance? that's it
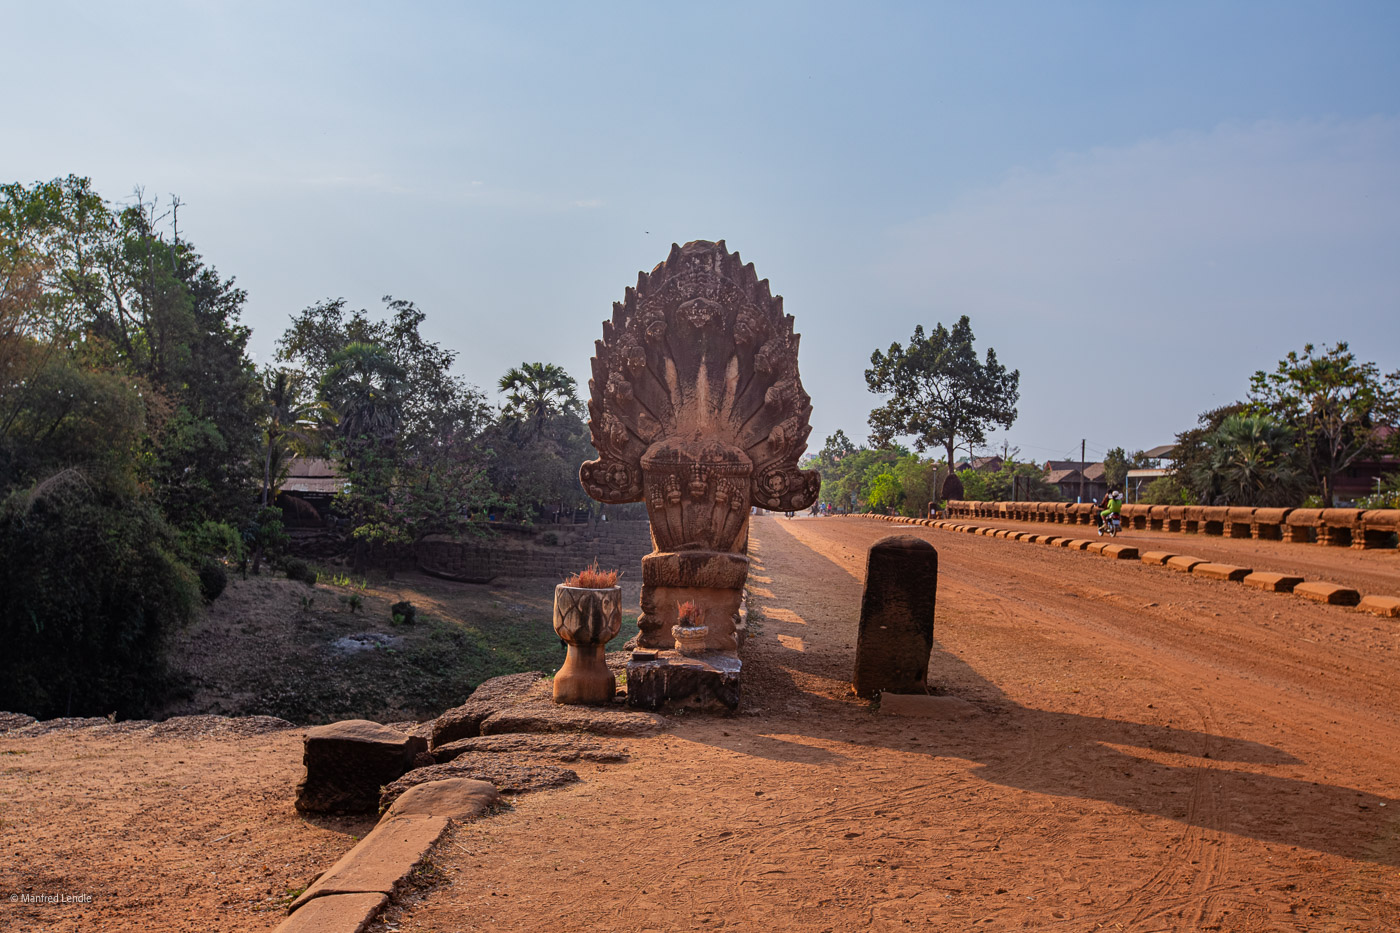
(1112, 506)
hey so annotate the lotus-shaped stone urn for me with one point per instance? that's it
(586, 618)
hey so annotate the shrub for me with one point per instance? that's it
(403, 613)
(212, 579)
(298, 569)
(93, 593)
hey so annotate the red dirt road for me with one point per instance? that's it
(1146, 751)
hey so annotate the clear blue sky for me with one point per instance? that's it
(1199, 186)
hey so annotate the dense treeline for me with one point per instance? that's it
(141, 450)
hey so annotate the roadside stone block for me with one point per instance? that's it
(1334, 594)
(1184, 563)
(896, 617)
(1120, 551)
(347, 762)
(381, 861)
(1156, 558)
(1079, 544)
(1221, 572)
(338, 913)
(1097, 546)
(1273, 582)
(1388, 606)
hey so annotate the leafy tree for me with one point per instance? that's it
(884, 491)
(1341, 407)
(1026, 480)
(1251, 460)
(1117, 462)
(537, 443)
(941, 393)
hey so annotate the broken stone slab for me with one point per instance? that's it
(565, 747)
(454, 798)
(664, 679)
(1221, 572)
(336, 913)
(1334, 594)
(1388, 606)
(1156, 558)
(1273, 582)
(895, 636)
(510, 774)
(1120, 552)
(546, 717)
(491, 697)
(1184, 563)
(924, 706)
(381, 861)
(347, 762)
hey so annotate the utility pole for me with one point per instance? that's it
(1082, 467)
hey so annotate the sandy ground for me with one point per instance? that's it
(1144, 751)
(1148, 752)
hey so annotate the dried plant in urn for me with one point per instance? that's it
(690, 630)
(587, 614)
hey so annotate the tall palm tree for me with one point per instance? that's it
(290, 421)
(537, 391)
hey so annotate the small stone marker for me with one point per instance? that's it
(1183, 563)
(1156, 558)
(1273, 582)
(1221, 571)
(896, 616)
(1120, 551)
(1334, 594)
(1388, 606)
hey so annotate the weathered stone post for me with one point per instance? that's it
(896, 617)
(696, 408)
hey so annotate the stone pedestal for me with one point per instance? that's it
(657, 679)
(586, 619)
(713, 580)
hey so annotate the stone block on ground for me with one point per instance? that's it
(1184, 563)
(662, 679)
(547, 717)
(895, 636)
(1221, 571)
(347, 762)
(1334, 594)
(1079, 544)
(1273, 582)
(1097, 546)
(509, 774)
(1157, 558)
(1120, 551)
(565, 747)
(454, 798)
(1388, 606)
(491, 697)
(381, 861)
(336, 913)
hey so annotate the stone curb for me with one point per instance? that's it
(1388, 606)
(351, 892)
(1332, 594)
(1273, 582)
(1221, 572)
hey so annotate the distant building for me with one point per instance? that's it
(981, 464)
(305, 495)
(1068, 473)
